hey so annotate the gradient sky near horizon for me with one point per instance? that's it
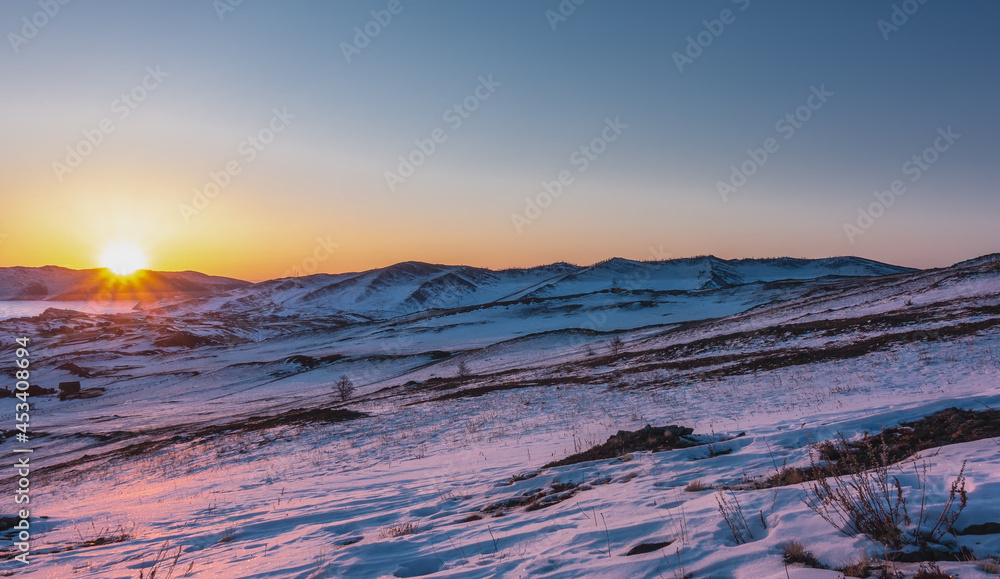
(651, 194)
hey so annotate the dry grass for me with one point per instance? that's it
(165, 564)
(795, 552)
(696, 486)
(228, 535)
(930, 571)
(860, 567)
(989, 565)
(104, 536)
(787, 477)
(397, 530)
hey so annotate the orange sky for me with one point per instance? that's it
(658, 140)
(248, 232)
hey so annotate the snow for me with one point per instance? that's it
(411, 287)
(764, 367)
(100, 285)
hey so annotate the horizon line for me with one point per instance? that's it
(499, 269)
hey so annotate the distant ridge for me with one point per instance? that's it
(61, 284)
(412, 286)
(427, 283)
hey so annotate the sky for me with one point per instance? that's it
(258, 139)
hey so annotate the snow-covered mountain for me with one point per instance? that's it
(409, 287)
(451, 458)
(62, 284)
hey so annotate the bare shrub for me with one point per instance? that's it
(732, 512)
(949, 512)
(616, 345)
(463, 369)
(678, 567)
(861, 502)
(345, 388)
(871, 502)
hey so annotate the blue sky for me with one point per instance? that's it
(652, 192)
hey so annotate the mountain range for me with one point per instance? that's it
(475, 389)
(408, 287)
(62, 284)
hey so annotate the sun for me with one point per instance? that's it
(123, 258)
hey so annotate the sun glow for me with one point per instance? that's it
(123, 258)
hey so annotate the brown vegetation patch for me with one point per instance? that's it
(184, 340)
(650, 438)
(981, 529)
(288, 418)
(949, 426)
(535, 499)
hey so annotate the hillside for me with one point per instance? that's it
(62, 284)
(410, 287)
(219, 437)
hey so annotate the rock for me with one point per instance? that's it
(83, 394)
(36, 390)
(649, 438)
(981, 529)
(69, 388)
(7, 523)
(642, 548)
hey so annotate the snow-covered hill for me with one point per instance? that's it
(411, 287)
(219, 446)
(62, 284)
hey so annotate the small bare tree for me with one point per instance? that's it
(345, 388)
(463, 369)
(616, 345)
